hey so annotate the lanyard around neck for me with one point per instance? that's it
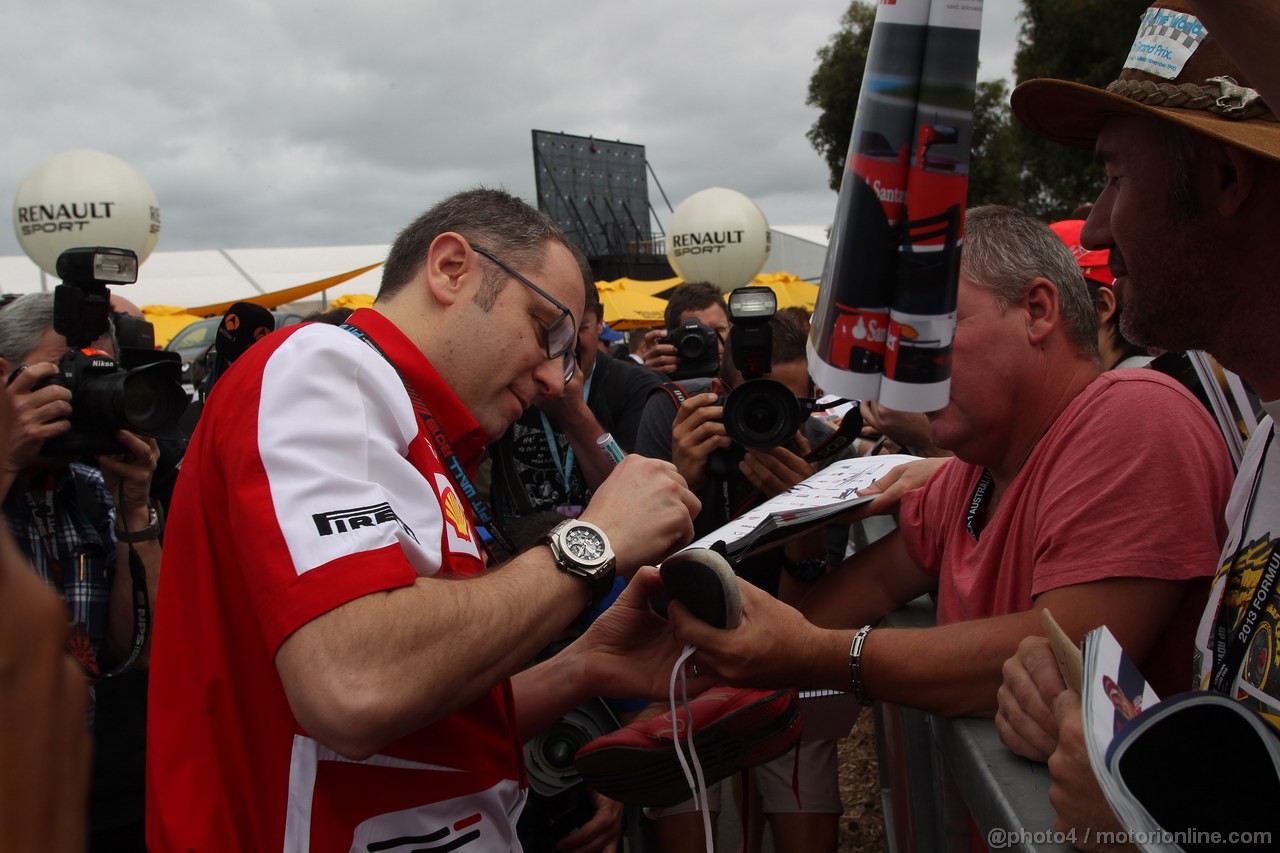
(454, 469)
(565, 469)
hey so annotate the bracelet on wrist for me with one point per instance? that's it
(858, 689)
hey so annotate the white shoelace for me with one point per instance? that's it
(698, 785)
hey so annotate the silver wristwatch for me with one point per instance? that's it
(580, 548)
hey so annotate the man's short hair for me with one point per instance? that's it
(691, 296)
(1004, 249)
(490, 218)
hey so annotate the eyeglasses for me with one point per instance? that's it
(561, 333)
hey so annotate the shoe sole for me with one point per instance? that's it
(651, 776)
(704, 582)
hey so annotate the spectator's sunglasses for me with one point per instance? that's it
(561, 333)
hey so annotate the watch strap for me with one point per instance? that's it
(147, 534)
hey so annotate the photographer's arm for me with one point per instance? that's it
(776, 469)
(697, 433)
(386, 664)
(659, 357)
(128, 478)
(37, 416)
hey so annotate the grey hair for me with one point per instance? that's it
(22, 325)
(1005, 249)
(25, 320)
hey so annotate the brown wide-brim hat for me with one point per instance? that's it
(1206, 92)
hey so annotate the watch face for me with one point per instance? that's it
(584, 544)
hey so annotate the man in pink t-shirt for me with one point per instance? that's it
(1073, 490)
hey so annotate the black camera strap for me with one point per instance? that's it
(141, 613)
(138, 586)
(454, 469)
(846, 434)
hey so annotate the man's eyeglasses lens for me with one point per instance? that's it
(562, 341)
(562, 335)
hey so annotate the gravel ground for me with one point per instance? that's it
(862, 826)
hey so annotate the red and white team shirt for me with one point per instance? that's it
(310, 483)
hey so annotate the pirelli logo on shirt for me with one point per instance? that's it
(347, 520)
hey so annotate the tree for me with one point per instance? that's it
(837, 82)
(995, 173)
(835, 85)
(1080, 40)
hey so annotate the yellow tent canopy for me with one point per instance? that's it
(281, 297)
(792, 291)
(168, 320)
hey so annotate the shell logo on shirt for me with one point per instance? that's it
(459, 535)
(455, 515)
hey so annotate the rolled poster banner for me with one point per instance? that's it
(850, 322)
(917, 374)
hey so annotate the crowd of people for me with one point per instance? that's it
(380, 521)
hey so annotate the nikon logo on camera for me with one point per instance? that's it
(347, 520)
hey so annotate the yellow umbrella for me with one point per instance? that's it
(625, 308)
(168, 320)
(791, 290)
(353, 301)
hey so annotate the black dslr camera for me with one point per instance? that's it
(697, 349)
(145, 396)
(760, 413)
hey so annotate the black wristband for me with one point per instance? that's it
(147, 534)
(807, 570)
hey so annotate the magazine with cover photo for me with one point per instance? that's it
(1191, 771)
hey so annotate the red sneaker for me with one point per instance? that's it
(733, 728)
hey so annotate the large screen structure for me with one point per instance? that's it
(596, 191)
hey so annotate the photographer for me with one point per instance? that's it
(693, 301)
(686, 426)
(67, 517)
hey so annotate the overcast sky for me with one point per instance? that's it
(264, 123)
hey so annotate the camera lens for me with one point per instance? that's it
(691, 346)
(143, 400)
(761, 413)
(149, 401)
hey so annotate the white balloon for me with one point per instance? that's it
(84, 198)
(720, 236)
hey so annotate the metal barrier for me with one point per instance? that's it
(950, 784)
